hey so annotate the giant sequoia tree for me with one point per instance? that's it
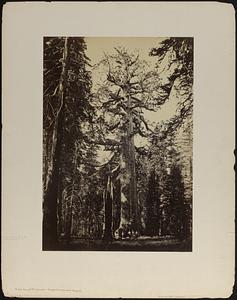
(128, 90)
(66, 108)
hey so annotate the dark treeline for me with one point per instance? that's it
(139, 191)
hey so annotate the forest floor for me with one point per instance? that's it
(140, 244)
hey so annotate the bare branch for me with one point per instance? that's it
(145, 123)
(141, 104)
(103, 142)
(134, 61)
(112, 127)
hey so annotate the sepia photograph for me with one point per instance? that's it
(118, 150)
(117, 143)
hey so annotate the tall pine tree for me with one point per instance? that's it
(66, 108)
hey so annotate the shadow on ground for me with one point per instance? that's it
(139, 244)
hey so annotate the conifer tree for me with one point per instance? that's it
(153, 205)
(67, 110)
(128, 89)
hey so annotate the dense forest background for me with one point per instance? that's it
(114, 178)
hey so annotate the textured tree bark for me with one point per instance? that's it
(51, 191)
(51, 195)
(129, 205)
(132, 175)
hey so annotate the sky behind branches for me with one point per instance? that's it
(97, 47)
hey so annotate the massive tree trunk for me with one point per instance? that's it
(52, 181)
(129, 205)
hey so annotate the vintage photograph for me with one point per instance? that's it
(117, 143)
